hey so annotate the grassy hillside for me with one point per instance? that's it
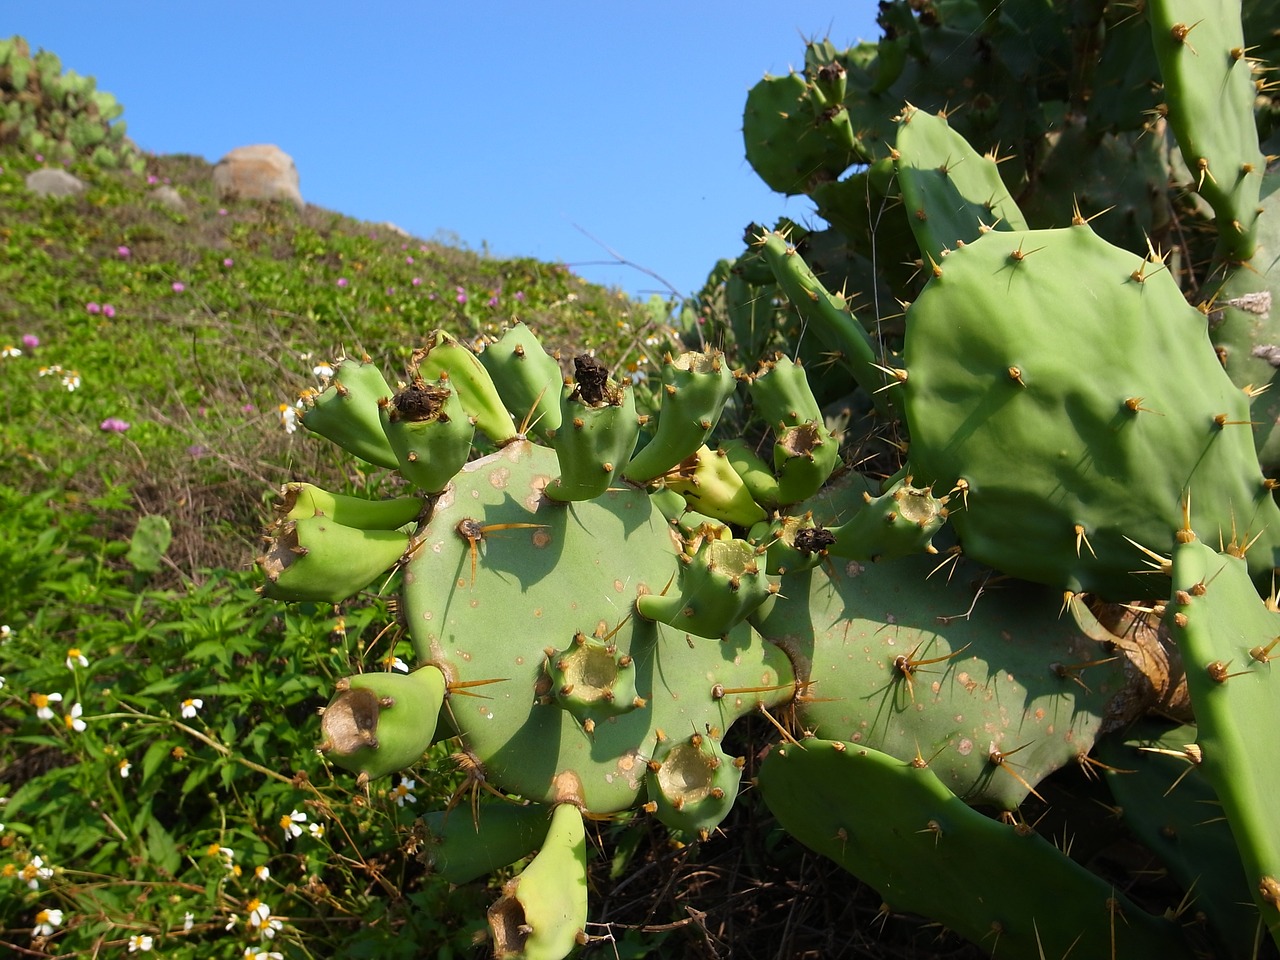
(194, 326)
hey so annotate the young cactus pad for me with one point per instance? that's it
(542, 913)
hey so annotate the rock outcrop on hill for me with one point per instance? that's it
(258, 172)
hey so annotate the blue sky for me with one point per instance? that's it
(516, 125)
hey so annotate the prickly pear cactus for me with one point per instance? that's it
(60, 115)
(591, 614)
(884, 526)
(1082, 372)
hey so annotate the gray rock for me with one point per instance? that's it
(170, 198)
(54, 183)
(259, 172)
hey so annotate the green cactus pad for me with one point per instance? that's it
(1067, 396)
(301, 500)
(597, 433)
(429, 431)
(592, 680)
(787, 144)
(496, 623)
(720, 586)
(526, 377)
(542, 913)
(710, 485)
(952, 193)
(1209, 88)
(899, 522)
(317, 558)
(831, 321)
(792, 543)
(465, 844)
(695, 386)
(346, 412)
(382, 722)
(445, 356)
(897, 827)
(1228, 638)
(692, 784)
(756, 475)
(1163, 798)
(804, 452)
(919, 667)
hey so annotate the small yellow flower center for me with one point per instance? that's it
(42, 917)
(213, 850)
(29, 872)
(286, 821)
(40, 700)
(9, 870)
(74, 653)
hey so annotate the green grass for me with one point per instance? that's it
(125, 807)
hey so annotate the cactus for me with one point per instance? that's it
(1227, 637)
(1075, 420)
(60, 115)
(1163, 795)
(595, 597)
(1003, 886)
